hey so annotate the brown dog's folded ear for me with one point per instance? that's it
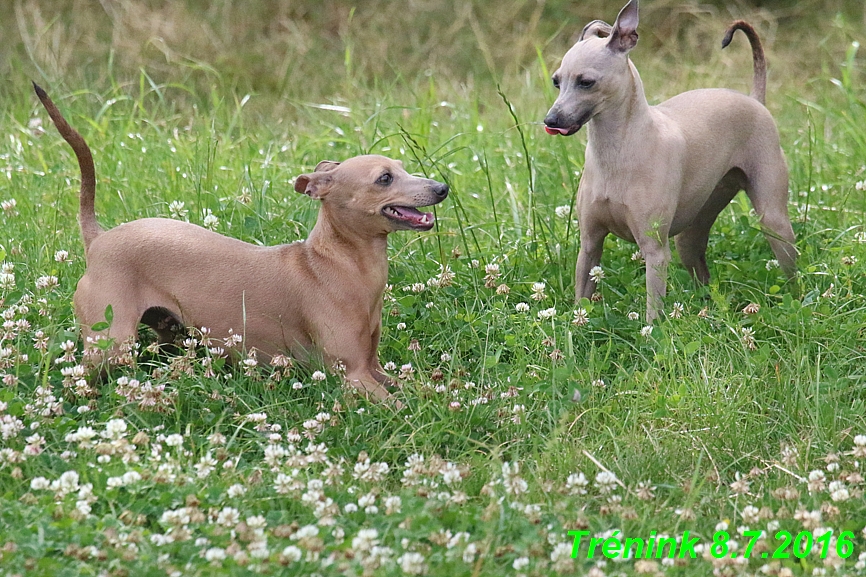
(598, 28)
(623, 36)
(315, 185)
(327, 165)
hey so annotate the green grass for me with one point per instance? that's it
(681, 416)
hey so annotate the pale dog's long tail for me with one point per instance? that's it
(90, 228)
(759, 84)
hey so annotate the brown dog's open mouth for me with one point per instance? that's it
(410, 216)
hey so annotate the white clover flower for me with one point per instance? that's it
(632, 316)
(305, 532)
(520, 563)
(412, 563)
(7, 280)
(176, 209)
(39, 483)
(521, 307)
(205, 466)
(259, 549)
(596, 273)
(365, 540)
(576, 484)
(747, 335)
(292, 553)
(401, 326)
(740, 484)
(562, 211)
(61, 256)
(131, 477)
(228, 517)
(838, 491)
(538, 293)
(772, 264)
(8, 205)
(67, 483)
(174, 440)
(469, 553)
(393, 504)
(750, 514)
(46, 282)
(318, 376)
(210, 220)
(580, 317)
(646, 331)
(547, 313)
(215, 554)
(115, 428)
(83, 507)
(450, 473)
(390, 366)
(677, 311)
(605, 481)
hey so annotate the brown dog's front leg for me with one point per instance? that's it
(371, 388)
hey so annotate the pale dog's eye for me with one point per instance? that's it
(385, 179)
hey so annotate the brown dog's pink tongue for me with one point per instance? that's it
(414, 215)
(551, 130)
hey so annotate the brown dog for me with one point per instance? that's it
(322, 295)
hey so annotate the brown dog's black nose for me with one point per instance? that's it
(440, 190)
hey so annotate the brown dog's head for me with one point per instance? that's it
(594, 73)
(373, 192)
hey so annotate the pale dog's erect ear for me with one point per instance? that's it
(623, 36)
(316, 184)
(598, 28)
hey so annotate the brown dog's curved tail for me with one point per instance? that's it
(759, 84)
(90, 228)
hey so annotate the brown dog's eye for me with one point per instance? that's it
(385, 179)
(585, 83)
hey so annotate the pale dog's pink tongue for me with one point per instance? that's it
(412, 215)
(551, 130)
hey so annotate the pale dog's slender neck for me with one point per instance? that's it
(613, 131)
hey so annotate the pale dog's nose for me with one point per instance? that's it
(440, 190)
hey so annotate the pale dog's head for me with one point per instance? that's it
(594, 73)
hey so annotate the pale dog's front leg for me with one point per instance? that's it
(589, 256)
(656, 251)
